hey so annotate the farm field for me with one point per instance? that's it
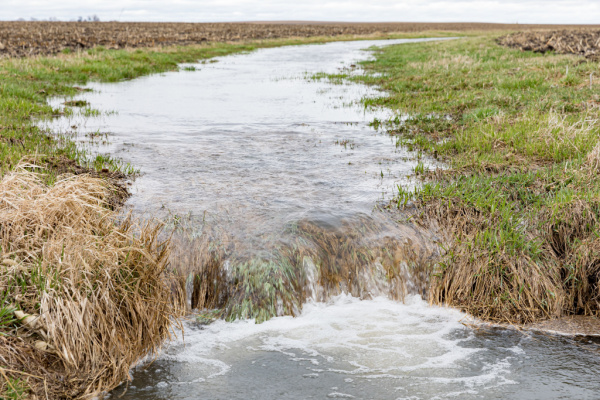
(305, 181)
(31, 38)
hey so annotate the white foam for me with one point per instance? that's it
(366, 339)
(337, 395)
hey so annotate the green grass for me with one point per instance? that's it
(7, 318)
(518, 136)
(16, 389)
(26, 84)
(485, 97)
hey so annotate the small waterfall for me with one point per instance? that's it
(365, 256)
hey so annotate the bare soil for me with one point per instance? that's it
(575, 325)
(585, 42)
(18, 39)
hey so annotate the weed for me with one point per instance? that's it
(15, 389)
(419, 168)
(76, 103)
(519, 201)
(346, 143)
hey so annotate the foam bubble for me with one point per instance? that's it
(378, 339)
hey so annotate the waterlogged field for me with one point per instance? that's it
(314, 230)
(273, 173)
(262, 171)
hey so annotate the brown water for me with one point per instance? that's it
(273, 182)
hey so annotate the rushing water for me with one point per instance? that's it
(250, 149)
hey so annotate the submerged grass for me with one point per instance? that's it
(519, 201)
(361, 257)
(26, 84)
(84, 295)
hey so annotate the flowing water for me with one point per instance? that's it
(274, 184)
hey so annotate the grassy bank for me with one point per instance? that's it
(26, 83)
(84, 295)
(520, 200)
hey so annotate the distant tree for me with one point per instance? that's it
(21, 19)
(89, 18)
(33, 19)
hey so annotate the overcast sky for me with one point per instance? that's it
(506, 11)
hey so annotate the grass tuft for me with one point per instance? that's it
(90, 294)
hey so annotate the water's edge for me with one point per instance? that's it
(292, 231)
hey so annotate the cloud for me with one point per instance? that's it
(509, 11)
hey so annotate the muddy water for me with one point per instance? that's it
(257, 162)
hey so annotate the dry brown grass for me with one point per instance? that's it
(510, 285)
(492, 285)
(558, 132)
(96, 294)
(592, 161)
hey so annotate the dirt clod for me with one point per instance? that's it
(581, 41)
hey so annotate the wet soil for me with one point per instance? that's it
(117, 180)
(585, 42)
(18, 39)
(576, 325)
(571, 326)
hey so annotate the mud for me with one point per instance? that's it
(119, 181)
(576, 325)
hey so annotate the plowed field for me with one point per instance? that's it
(585, 42)
(31, 38)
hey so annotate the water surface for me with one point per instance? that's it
(251, 148)
(376, 349)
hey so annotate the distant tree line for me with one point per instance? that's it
(89, 18)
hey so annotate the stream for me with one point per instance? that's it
(275, 185)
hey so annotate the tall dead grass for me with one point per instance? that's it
(492, 284)
(94, 295)
(517, 285)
